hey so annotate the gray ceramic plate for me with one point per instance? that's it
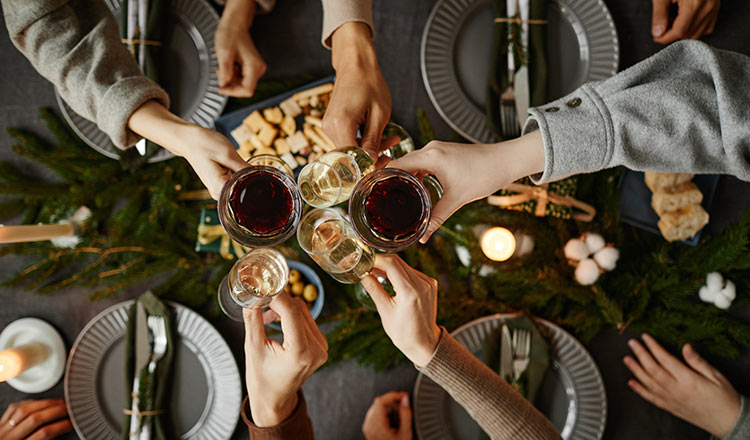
(190, 80)
(207, 391)
(455, 56)
(572, 395)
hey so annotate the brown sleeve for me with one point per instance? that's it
(297, 426)
(502, 412)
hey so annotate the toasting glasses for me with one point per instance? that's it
(330, 179)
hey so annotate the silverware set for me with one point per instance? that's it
(515, 354)
(150, 348)
(514, 101)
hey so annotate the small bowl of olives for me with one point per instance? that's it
(304, 284)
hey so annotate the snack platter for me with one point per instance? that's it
(288, 125)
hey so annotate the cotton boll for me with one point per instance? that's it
(486, 270)
(67, 242)
(464, 256)
(594, 242)
(714, 281)
(729, 291)
(706, 294)
(607, 257)
(576, 249)
(587, 272)
(722, 302)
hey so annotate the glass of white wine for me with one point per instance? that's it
(254, 281)
(330, 179)
(332, 243)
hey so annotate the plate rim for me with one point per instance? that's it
(505, 316)
(473, 3)
(123, 305)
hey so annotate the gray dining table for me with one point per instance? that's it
(339, 396)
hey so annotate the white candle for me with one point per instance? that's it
(16, 360)
(25, 233)
(498, 244)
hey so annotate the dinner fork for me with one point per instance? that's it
(521, 352)
(158, 328)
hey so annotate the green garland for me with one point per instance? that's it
(150, 232)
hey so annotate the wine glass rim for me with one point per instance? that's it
(273, 158)
(308, 167)
(338, 218)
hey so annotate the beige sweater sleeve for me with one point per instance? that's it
(338, 12)
(501, 411)
(75, 44)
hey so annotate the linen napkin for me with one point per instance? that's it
(154, 392)
(531, 380)
(145, 43)
(536, 58)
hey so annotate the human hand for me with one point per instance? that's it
(697, 392)
(240, 63)
(360, 95)
(377, 424)
(210, 153)
(410, 317)
(470, 172)
(695, 18)
(275, 372)
(35, 420)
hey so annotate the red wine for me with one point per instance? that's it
(261, 203)
(394, 208)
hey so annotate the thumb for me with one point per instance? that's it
(697, 363)
(442, 210)
(378, 294)
(660, 17)
(404, 418)
(225, 58)
(373, 132)
(233, 161)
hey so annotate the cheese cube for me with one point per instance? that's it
(297, 142)
(290, 108)
(255, 140)
(288, 125)
(273, 115)
(255, 122)
(267, 135)
(245, 150)
(281, 146)
(289, 159)
(241, 134)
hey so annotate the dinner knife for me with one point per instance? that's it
(521, 78)
(506, 354)
(142, 355)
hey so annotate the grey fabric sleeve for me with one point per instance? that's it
(685, 109)
(741, 430)
(75, 44)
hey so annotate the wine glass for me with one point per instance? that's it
(270, 160)
(260, 206)
(390, 208)
(253, 282)
(330, 241)
(330, 179)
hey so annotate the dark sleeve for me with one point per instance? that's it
(685, 109)
(298, 426)
(75, 45)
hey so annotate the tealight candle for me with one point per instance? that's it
(16, 360)
(498, 244)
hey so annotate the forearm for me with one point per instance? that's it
(741, 429)
(337, 13)
(157, 124)
(239, 13)
(82, 55)
(352, 48)
(501, 411)
(684, 109)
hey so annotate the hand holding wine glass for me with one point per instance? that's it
(410, 317)
(470, 172)
(275, 372)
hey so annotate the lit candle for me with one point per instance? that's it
(26, 233)
(16, 360)
(498, 244)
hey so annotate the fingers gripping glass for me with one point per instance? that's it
(330, 179)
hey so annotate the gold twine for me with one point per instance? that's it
(542, 196)
(144, 42)
(517, 20)
(140, 414)
(209, 233)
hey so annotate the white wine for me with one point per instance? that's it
(255, 281)
(319, 185)
(347, 259)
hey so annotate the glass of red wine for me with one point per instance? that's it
(260, 206)
(390, 209)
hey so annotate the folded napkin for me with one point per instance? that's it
(536, 59)
(531, 380)
(145, 43)
(155, 391)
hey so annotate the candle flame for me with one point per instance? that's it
(498, 244)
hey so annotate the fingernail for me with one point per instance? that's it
(405, 401)
(625, 360)
(658, 30)
(631, 343)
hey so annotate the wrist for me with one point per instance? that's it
(422, 354)
(352, 48)
(522, 157)
(154, 122)
(268, 413)
(238, 14)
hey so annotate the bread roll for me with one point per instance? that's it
(683, 224)
(674, 198)
(657, 181)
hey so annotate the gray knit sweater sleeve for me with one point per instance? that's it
(684, 109)
(500, 410)
(741, 430)
(75, 44)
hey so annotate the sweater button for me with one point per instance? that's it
(552, 109)
(573, 103)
